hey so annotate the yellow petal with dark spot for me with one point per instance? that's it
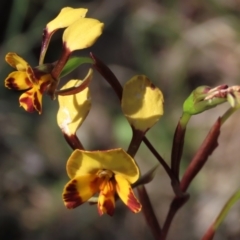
(106, 200)
(18, 81)
(80, 189)
(31, 100)
(26, 101)
(37, 99)
(106, 204)
(83, 162)
(126, 194)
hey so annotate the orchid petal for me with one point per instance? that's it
(37, 100)
(16, 61)
(26, 100)
(83, 33)
(106, 200)
(142, 103)
(66, 17)
(80, 189)
(126, 194)
(21, 65)
(89, 162)
(18, 81)
(31, 100)
(73, 109)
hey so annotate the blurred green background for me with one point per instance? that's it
(179, 45)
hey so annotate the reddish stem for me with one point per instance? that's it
(176, 204)
(58, 69)
(148, 212)
(178, 144)
(135, 143)
(208, 146)
(200, 158)
(73, 141)
(209, 234)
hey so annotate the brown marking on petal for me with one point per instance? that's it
(11, 84)
(28, 93)
(109, 206)
(28, 82)
(37, 73)
(132, 202)
(37, 103)
(71, 196)
(31, 75)
(27, 101)
(95, 183)
(107, 202)
(44, 86)
(152, 86)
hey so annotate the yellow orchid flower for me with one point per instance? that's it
(142, 103)
(27, 78)
(107, 172)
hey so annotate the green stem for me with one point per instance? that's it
(211, 231)
(226, 208)
(227, 114)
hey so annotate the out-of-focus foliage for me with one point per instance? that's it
(179, 45)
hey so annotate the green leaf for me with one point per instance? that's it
(211, 231)
(73, 63)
